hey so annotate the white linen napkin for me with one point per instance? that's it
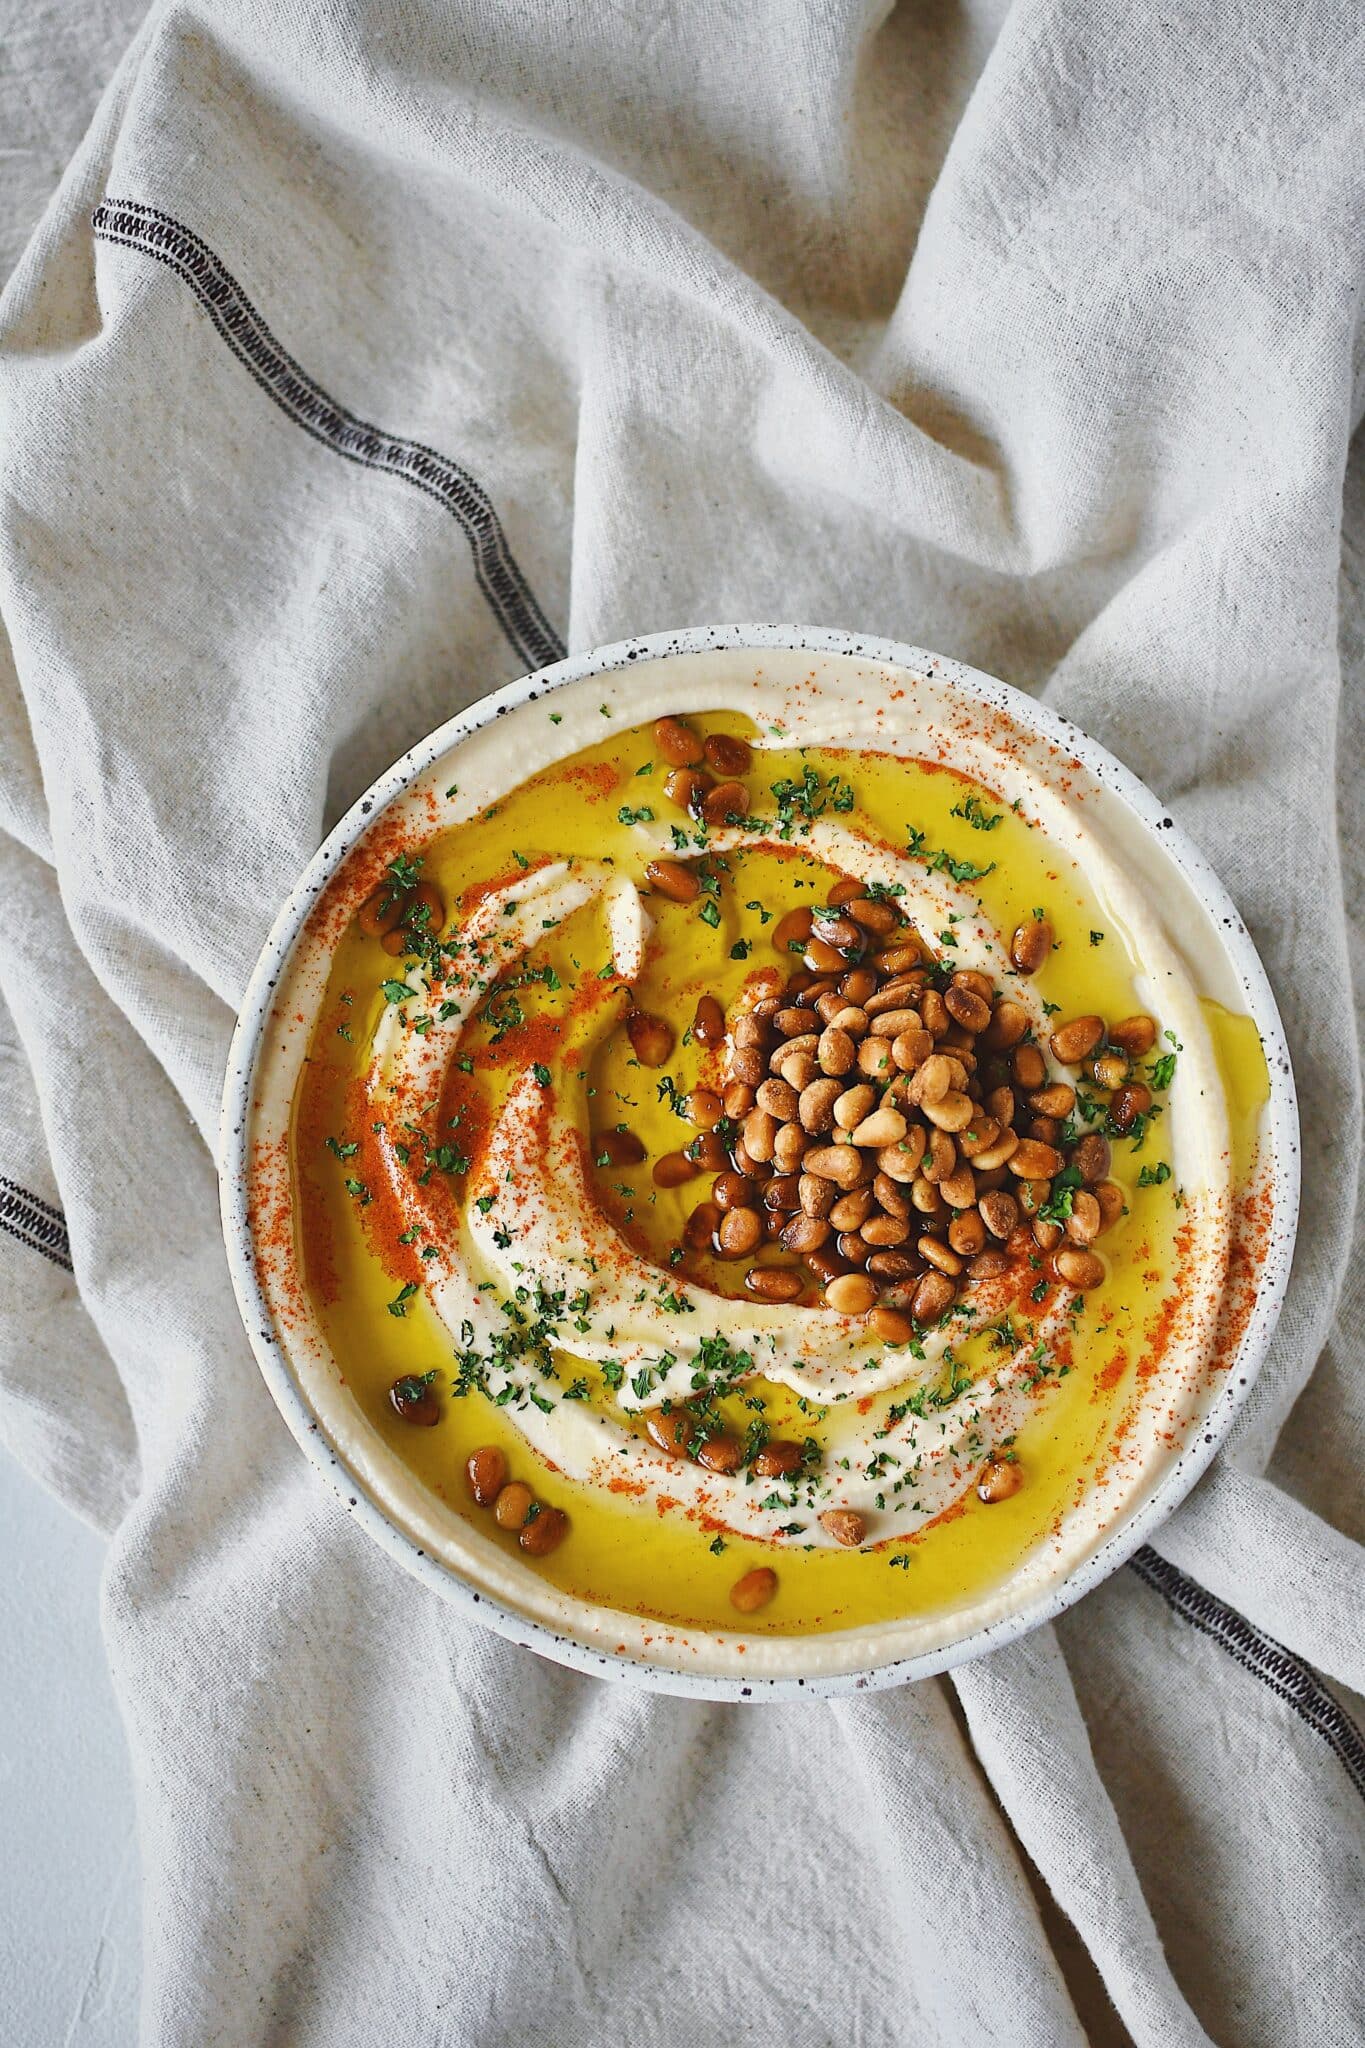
(368, 356)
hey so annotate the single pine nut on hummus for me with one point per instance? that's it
(759, 1177)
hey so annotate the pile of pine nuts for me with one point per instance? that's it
(897, 1126)
(896, 1131)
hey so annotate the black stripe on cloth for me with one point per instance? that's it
(282, 379)
(35, 1223)
(1269, 1661)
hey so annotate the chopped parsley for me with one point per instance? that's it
(979, 820)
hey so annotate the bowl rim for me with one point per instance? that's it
(248, 1037)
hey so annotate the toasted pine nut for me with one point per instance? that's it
(779, 1099)
(874, 1058)
(791, 932)
(670, 878)
(891, 1023)
(1131, 1102)
(778, 1459)
(823, 958)
(727, 754)
(817, 1104)
(910, 1048)
(687, 788)
(952, 1113)
(1135, 1035)
(883, 1127)
(754, 1590)
(958, 1188)
(1000, 1213)
(941, 1157)
(726, 804)
(979, 1136)
(486, 1471)
(852, 1294)
(847, 1017)
(901, 959)
(797, 1069)
(1031, 944)
(1000, 1478)
(1057, 1099)
(884, 1232)
(873, 914)
(1047, 1236)
(1028, 1067)
(840, 932)
(852, 1209)
(721, 1454)
(1110, 1068)
(651, 1038)
(816, 1195)
(1079, 1268)
(1009, 1023)
(512, 1505)
(845, 1525)
(940, 1255)
(902, 1162)
(704, 1108)
(841, 1163)
(741, 1232)
(897, 1267)
(857, 985)
(708, 1022)
(1035, 1161)
(677, 742)
(806, 1233)
(1073, 1040)
(544, 1532)
(836, 1051)
(934, 1296)
(382, 912)
(1085, 1222)
(853, 1104)
(1110, 1198)
(967, 1008)
(890, 1325)
(789, 1147)
(932, 1080)
(1090, 1157)
(988, 1266)
(773, 1283)
(967, 1234)
(760, 1133)
(999, 1153)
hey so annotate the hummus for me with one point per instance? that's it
(506, 1151)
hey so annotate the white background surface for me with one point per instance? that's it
(69, 1872)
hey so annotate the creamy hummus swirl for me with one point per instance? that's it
(531, 1266)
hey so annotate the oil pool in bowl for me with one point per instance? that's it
(754, 1167)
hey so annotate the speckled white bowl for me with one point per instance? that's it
(1228, 968)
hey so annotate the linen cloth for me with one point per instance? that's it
(1031, 334)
